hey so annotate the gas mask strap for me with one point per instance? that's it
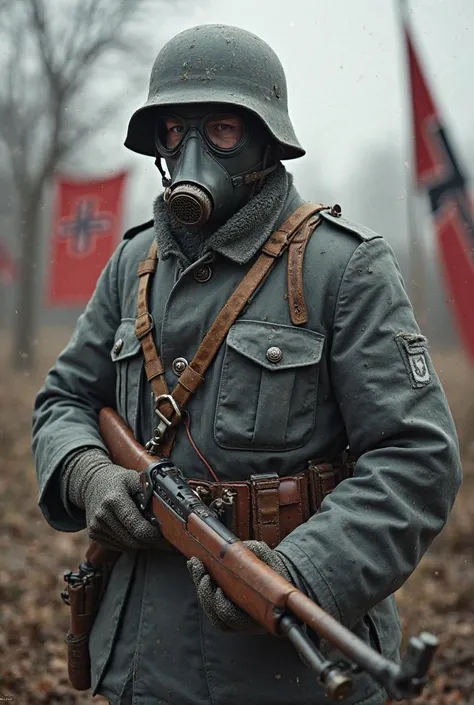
(253, 177)
(165, 180)
(263, 173)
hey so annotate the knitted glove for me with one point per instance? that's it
(221, 612)
(105, 491)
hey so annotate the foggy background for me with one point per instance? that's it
(346, 69)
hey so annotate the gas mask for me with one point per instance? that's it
(217, 160)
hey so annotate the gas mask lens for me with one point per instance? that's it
(171, 132)
(223, 132)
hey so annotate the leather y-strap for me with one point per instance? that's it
(144, 324)
(296, 250)
(193, 375)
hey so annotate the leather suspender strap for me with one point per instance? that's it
(193, 374)
(144, 324)
(154, 369)
(296, 250)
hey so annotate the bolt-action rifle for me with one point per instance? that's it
(194, 529)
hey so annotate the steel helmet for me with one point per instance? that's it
(217, 64)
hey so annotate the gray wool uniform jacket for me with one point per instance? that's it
(358, 372)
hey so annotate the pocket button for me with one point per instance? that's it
(274, 354)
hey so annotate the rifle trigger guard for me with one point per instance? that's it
(147, 489)
(143, 498)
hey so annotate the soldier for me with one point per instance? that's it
(326, 353)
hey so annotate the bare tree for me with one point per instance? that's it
(52, 50)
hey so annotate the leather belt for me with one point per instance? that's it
(268, 507)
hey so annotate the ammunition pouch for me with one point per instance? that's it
(83, 593)
(268, 507)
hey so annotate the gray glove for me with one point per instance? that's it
(223, 613)
(105, 491)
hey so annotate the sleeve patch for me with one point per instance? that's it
(413, 349)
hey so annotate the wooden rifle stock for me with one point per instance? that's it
(123, 449)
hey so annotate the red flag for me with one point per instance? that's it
(438, 173)
(86, 231)
(7, 265)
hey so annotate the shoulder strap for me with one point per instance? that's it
(361, 231)
(168, 406)
(296, 250)
(144, 324)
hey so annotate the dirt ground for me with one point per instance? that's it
(439, 597)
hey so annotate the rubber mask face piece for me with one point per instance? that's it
(208, 151)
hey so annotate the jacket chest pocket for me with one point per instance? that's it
(268, 389)
(127, 355)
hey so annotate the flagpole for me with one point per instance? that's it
(417, 282)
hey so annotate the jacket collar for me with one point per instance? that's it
(245, 245)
